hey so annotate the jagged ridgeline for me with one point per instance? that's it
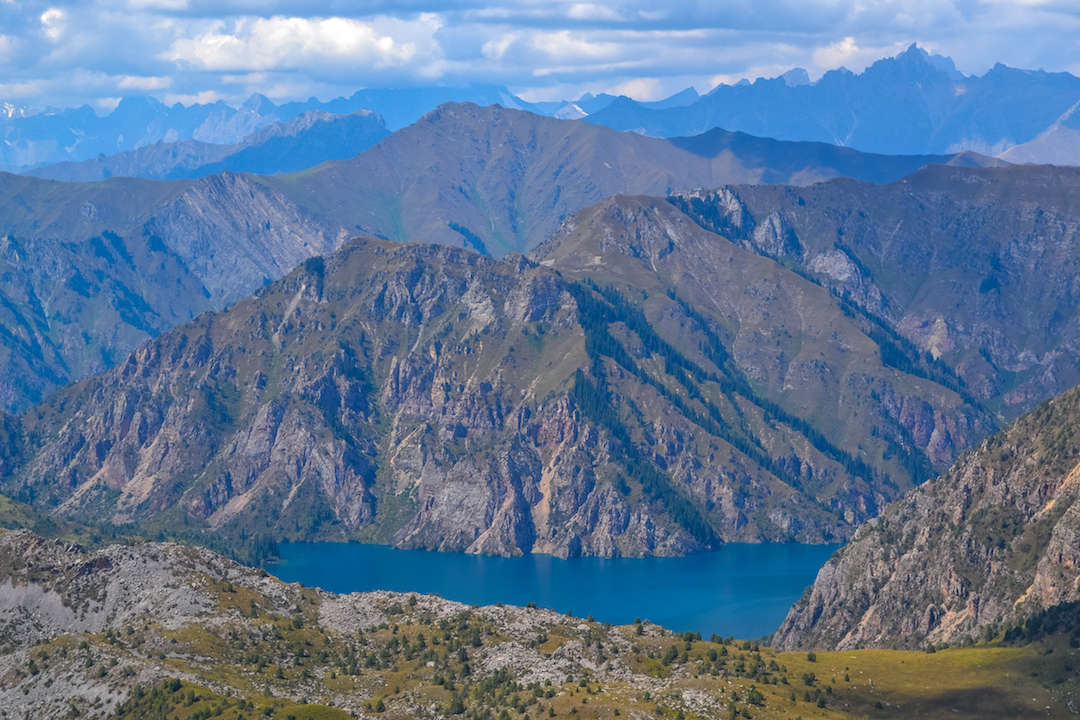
(642, 386)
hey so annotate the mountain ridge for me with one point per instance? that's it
(352, 371)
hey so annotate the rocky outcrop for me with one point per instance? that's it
(978, 550)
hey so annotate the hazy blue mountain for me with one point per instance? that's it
(404, 106)
(1059, 144)
(80, 133)
(76, 134)
(300, 143)
(589, 104)
(909, 104)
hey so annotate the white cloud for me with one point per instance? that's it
(496, 48)
(204, 97)
(643, 88)
(277, 42)
(848, 53)
(143, 82)
(837, 54)
(107, 104)
(53, 23)
(72, 52)
(591, 11)
(566, 45)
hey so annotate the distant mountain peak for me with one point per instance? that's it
(259, 103)
(917, 57)
(795, 77)
(136, 102)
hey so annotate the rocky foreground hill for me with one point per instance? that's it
(987, 546)
(160, 630)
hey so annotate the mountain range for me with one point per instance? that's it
(32, 139)
(493, 179)
(494, 331)
(914, 104)
(909, 104)
(661, 375)
(974, 267)
(431, 397)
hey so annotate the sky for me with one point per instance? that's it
(61, 53)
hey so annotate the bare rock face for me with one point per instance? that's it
(987, 545)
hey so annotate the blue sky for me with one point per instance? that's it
(95, 51)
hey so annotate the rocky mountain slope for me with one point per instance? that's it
(288, 146)
(160, 630)
(908, 104)
(991, 543)
(89, 271)
(489, 178)
(647, 388)
(975, 268)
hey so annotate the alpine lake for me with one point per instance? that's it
(741, 590)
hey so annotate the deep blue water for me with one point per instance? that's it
(743, 590)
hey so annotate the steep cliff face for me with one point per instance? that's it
(976, 269)
(989, 544)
